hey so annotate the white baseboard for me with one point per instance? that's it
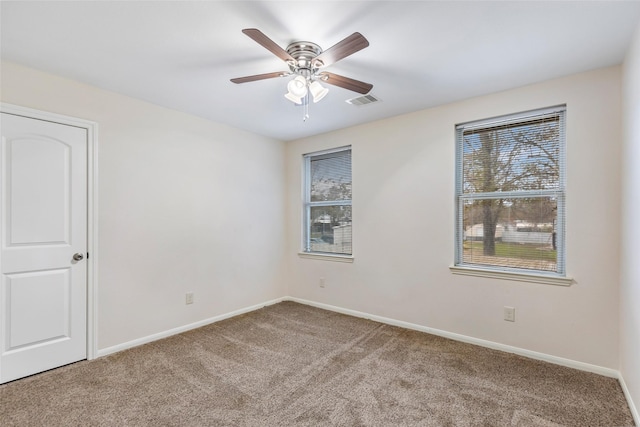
(632, 406)
(608, 372)
(457, 337)
(180, 329)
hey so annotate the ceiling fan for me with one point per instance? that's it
(306, 61)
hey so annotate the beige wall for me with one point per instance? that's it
(403, 225)
(630, 284)
(184, 205)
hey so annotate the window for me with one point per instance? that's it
(510, 193)
(327, 202)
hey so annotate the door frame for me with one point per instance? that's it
(92, 209)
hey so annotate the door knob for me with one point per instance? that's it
(78, 257)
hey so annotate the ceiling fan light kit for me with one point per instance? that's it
(305, 61)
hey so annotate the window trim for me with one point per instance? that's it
(307, 204)
(558, 277)
(326, 256)
(548, 279)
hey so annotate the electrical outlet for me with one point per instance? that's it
(189, 298)
(322, 282)
(509, 314)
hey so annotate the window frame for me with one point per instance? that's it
(557, 277)
(308, 204)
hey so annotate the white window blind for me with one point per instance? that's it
(510, 193)
(327, 202)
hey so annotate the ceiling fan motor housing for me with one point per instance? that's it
(304, 54)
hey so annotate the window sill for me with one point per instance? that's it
(509, 275)
(326, 257)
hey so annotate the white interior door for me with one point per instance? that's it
(43, 289)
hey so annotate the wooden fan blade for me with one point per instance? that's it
(346, 47)
(260, 38)
(346, 83)
(259, 77)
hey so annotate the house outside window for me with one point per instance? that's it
(510, 193)
(327, 202)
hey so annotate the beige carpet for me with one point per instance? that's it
(294, 365)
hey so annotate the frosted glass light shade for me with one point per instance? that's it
(298, 87)
(293, 98)
(318, 91)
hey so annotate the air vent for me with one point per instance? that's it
(363, 100)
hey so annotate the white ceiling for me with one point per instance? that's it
(181, 54)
